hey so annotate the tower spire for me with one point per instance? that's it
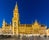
(16, 10)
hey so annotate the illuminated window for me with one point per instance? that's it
(15, 24)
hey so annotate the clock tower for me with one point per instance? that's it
(15, 20)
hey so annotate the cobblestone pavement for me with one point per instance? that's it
(26, 38)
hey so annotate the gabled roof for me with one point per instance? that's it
(36, 23)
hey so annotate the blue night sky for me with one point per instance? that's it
(29, 10)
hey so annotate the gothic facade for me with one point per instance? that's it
(16, 28)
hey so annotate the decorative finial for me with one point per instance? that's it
(3, 20)
(36, 20)
(35, 23)
(10, 22)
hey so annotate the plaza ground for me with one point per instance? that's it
(26, 38)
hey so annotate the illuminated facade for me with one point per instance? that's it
(47, 32)
(16, 28)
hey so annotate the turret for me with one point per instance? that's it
(10, 26)
(4, 23)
